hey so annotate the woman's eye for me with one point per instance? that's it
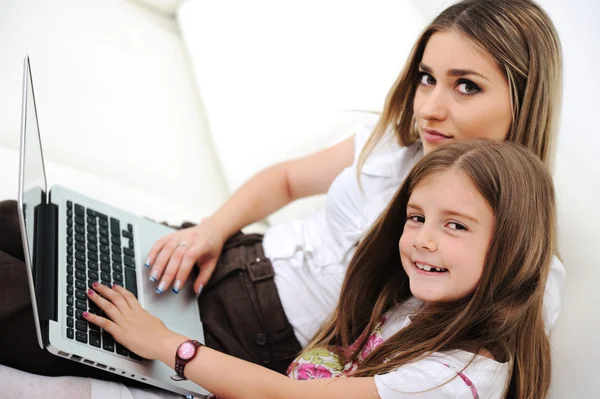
(417, 218)
(456, 226)
(468, 87)
(426, 79)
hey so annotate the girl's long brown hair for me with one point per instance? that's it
(503, 315)
(522, 40)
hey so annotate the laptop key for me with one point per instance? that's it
(81, 337)
(101, 215)
(70, 289)
(79, 229)
(94, 327)
(69, 205)
(93, 247)
(130, 282)
(70, 322)
(128, 252)
(104, 258)
(106, 277)
(116, 240)
(69, 279)
(108, 342)
(79, 314)
(69, 250)
(103, 223)
(79, 210)
(80, 294)
(80, 285)
(92, 265)
(121, 350)
(81, 325)
(116, 249)
(95, 339)
(103, 232)
(69, 231)
(118, 276)
(115, 226)
(91, 213)
(70, 240)
(70, 333)
(117, 267)
(79, 237)
(70, 270)
(70, 311)
(80, 275)
(93, 275)
(79, 220)
(80, 266)
(80, 256)
(91, 219)
(134, 356)
(70, 300)
(129, 261)
(81, 305)
(91, 229)
(105, 249)
(93, 256)
(69, 259)
(127, 234)
(116, 258)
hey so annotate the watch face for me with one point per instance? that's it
(186, 350)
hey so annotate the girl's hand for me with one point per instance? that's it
(173, 256)
(130, 325)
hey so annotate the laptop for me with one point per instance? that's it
(71, 241)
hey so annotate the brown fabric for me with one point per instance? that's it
(240, 308)
(240, 317)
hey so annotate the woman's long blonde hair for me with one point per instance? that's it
(522, 40)
(503, 315)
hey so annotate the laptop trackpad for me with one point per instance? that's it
(179, 312)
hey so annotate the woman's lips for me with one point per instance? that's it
(433, 136)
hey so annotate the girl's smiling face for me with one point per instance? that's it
(462, 93)
(446, 237)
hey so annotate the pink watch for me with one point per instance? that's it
(185, 353)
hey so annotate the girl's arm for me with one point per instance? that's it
(221, 374)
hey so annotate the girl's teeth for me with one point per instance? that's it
(426, 268)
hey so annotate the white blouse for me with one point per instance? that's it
(310, 256)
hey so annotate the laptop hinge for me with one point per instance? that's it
(45, 260)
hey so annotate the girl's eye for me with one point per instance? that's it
(426, 79)
(456, 226)
(467, 87)
(417, 218)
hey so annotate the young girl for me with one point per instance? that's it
(482, 68)
(443, 297)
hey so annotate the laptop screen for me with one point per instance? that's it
(33, 177)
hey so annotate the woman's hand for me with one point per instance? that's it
(130, 325)
(173, 256)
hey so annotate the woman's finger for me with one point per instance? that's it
(158, 266)
(173, 267)
(158, 245)
(102, 322)
(129, 297)
(190, 258)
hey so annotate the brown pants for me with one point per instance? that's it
(240, 307)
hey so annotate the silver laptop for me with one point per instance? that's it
(71, 241)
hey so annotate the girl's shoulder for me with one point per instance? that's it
(452, 374)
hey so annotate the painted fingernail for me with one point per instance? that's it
(85, 314)
(199, 291)
(91, 292)
(153, 277)
(161, 288)
(95, 284)
(176, 286)
(147, 263)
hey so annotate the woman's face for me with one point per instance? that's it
(462, 93)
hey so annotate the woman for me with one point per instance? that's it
(483, 68)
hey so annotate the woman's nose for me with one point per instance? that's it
(435, 106)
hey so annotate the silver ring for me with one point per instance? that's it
(183, 244)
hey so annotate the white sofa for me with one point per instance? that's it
(164, 107)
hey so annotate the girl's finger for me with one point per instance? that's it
(129, 297)
(108, 308)
(101, 322)
(113, 296)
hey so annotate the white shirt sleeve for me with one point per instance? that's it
(433, 378)
(556, 280)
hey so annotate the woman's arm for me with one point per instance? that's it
(221, 374)
(262, 195)
(278, 185)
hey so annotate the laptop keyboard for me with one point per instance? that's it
(98, 249)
